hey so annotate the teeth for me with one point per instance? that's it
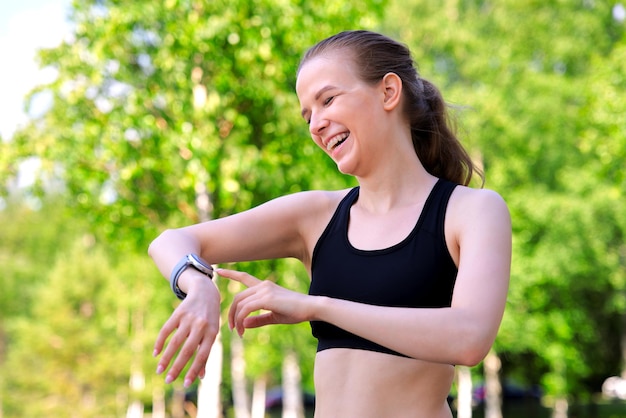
(335, 140)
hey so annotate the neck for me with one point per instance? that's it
(402, 182)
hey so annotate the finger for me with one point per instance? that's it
(239, 276)
(177, 340)
(238, 302)
(234, 312)
(169, 328)
(244, 309)
(231, 314)
(184, 356)
(198, 367)
(166, 330)
(257, 321)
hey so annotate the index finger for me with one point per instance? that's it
(166, 330)
(239, 276)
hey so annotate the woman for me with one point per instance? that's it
(409, 270)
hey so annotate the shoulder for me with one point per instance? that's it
(466, 198)
(480, 210)
(305, 212)
(308, 202)
(309, 213)
(282, 227)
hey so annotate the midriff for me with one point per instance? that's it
(365, 384)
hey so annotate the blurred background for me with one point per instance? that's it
(121, 118)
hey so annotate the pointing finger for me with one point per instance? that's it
(239, 276)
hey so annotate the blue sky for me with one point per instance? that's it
(25, 26)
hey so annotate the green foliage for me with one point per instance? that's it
(73, 336)
(602, 139)
(27, 249)
(153, 99)
(75, 322)
(572, 290)
(156, 101)
(540, 88)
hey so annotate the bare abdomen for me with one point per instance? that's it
(359, 383)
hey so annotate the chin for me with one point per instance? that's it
(345, 169)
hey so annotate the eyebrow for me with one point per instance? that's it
(317, 96)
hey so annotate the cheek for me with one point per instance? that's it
(317, 141)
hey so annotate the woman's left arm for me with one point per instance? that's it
(478, 229)
(479, 225)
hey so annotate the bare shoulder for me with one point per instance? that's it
(314, 210)
(477, 214)
(282, 227)
(302, 208)
(299, 217)
(312, 200)
(467, 202)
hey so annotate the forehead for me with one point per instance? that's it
(333, 68)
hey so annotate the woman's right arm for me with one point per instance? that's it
(284, 227)
(275, 229)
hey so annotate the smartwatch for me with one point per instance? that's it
(190, 260)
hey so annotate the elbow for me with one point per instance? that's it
(474, 348)
(156, 243)
(472, 356)
(475, 335)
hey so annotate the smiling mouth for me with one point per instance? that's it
(336, 141)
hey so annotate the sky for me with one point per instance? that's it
(25, 26)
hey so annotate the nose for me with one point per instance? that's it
(317, 125)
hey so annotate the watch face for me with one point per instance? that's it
(201, 265)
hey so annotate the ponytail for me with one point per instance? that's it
(434, 138)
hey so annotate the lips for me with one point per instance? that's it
(336, 140)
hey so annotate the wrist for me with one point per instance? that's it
(319, 305)
(189, 261)
(192, 281)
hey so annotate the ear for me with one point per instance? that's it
(392, 87)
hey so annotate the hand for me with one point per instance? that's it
(284, 306)
(194, 325)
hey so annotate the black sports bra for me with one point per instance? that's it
(418, 272)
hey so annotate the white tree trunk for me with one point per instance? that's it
(560, 408)
(493, 395)
(137, 381)
(178, 401)
(137, 384)
(135, 410)
(158, 401)
(258, 398)
(209, 405)
(238, 374)
(293, 406)
(464, 385)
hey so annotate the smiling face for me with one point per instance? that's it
(344, 113)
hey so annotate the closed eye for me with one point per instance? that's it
(328, 100)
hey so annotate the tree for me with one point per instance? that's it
(172, 112)
(69, 349)
(538, 88)
(29, 238)
(152, 100)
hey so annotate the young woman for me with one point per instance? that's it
(409, 271)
